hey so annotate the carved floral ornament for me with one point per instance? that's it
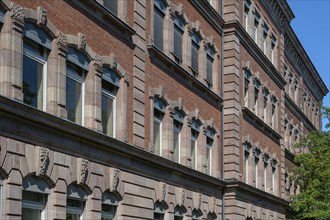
(176, 105)
(193, 115)
(161, 191)
(157, 92)
(42, 16)
(44, 157)
(176, 10)
(62, 41)
(81, 41)
(83, 170)
(195, 27)
(114, 179)
(16, 12)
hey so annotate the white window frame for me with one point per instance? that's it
(113, 97)
(179, 137)
(160, 133)
(109, 202)
(82, 81)
(246, 162)
(43, 62)
(246, 16)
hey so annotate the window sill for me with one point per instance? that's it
(260, 124)
(158, 57)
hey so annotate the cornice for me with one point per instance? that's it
(158, 56)
(208, 12)
(261, 125)
(289, 155)
(298, 113)
(255, 52)
(234, 185)
(27, 124)
(296, 52)
(279, 11)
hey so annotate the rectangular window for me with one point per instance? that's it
(157, 138)
(158, 216)
(111, 5)
(74, 209)
(246, 15)
(256, 161)
(265, 176)
(178, 32)
(209, 142)
(209, 70)
(33, 205)
(34, 74)
(246, 87)
(74, 93)
(176, 140)
(273, 115)
(158, 28)
(108, 108)
(194, 136)
(255, 29)
(265, 108)
(264, 41)
(256, 95)
(194, 56)
(246, 159)
(108, 212)
(273, 179)
(272, 51)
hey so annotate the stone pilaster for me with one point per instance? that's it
(139, 74)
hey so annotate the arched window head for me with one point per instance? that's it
(159, 211)
(179, 212)
(109, 206)
(75, 202)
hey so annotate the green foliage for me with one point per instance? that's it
(313, 175)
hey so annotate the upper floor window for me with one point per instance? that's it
(36, 46)
(256, 165)
(111, 5)
(110, 85)
(195, 41)
(273, 100)
(34, 198)
(264, 37)
(195, 127)
(75, 203)
(247, 148)
(256, 95)
(178, 213)
(273, 182)
(247, 4)
(77, 67)
(209, 66)
(209, 143)
(256, 26)
(265, 160)
(296, 90)
(159, 112)
(159, 14)
(177, 126)
(178, 36)
(272, 49)
(265, 100)
(247, 76)
(109, 206)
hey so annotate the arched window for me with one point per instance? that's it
(196, 214)
(159, 211)
(34, 198)
(209, 66)
(159, 14)
(247, 4)
(247, 78)
(265, 167)
(76, 69)
(195, 130)
(36, 47)
(178, 38)
(247, 147)
(256, 153)
(195, 43)
(257, 85)
(177, 127)
(75, 202)
(274, 165)
(109, 206)
(110, 85)
(159, 112)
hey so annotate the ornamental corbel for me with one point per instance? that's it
(44, 160)
(17, 13)
(82, 170)
(42, 16)
(81, 41)
(114, 179)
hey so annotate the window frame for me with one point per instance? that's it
(109, 199)
(160, 11)
(195, 131)
(79, 195)
(210, 133)
(178, 32)
(195, 43)
(158, 105)
(210, 52)
(177, 130)
(246, 10)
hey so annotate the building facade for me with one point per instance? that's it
(151, 109)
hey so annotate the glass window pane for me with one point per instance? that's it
(32, 82)
(158, 28)
(193, 157)
(107, 115)
(176, 146)
(194, 55)
(73, 100)
(28, 214)
(178, 43)
(209, 70)
(108, 212)
(71, 216)
(112, 5)
(208, 167)
(157, 127)
(158, 216)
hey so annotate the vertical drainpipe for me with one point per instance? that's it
(222, 113)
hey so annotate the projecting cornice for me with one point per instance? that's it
(295, 51)
(279, 11)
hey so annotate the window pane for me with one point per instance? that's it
(70, 216)
(178, 43)
(108, 212)
(178, 218)
(32, 82)
(208, 167)
(193, 157)
(73, 100)
(176, 146)
(158, 28)
(28, 214)
(209, 70)
(112, 5)
(194, 56)
(158, 216)
(107, 115)
(157, 128)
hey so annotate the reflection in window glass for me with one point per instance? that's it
(108, 107)
(33, 205)
(176, 140)
(112, 5)
(108, 212)
(74, 83)
(74, 209)
(158, 117)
